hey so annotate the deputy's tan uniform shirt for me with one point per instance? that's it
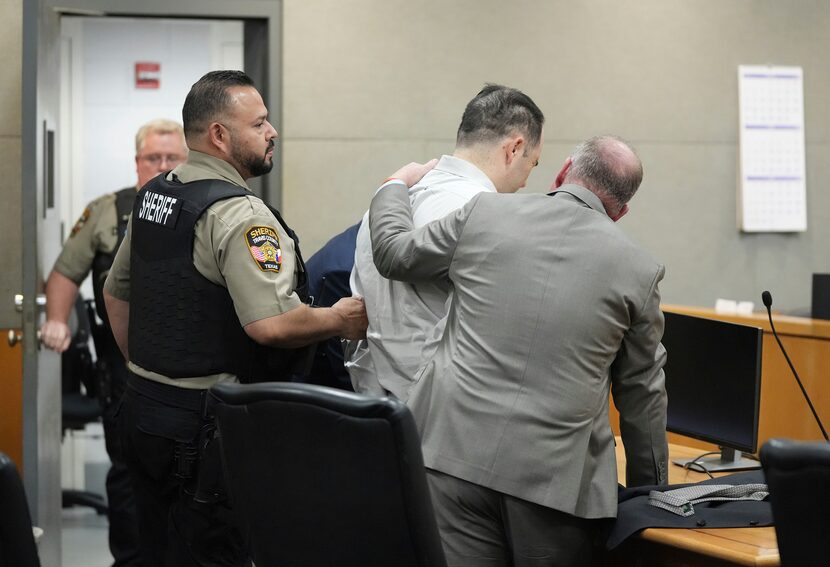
(221, 254)
(96, 231)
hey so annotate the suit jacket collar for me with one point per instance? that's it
(582, 194)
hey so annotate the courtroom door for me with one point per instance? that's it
(33, 211)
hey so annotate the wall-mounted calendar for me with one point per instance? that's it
(772, 194)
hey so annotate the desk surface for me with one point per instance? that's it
(739, 546)
(818, 329)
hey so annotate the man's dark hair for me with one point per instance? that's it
(498, 111)
(208, 99)
(608, 165)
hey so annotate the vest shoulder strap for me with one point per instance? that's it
(124, 200)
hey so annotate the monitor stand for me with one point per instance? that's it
(729, 460)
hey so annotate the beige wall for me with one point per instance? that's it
(370, 84)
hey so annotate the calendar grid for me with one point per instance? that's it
(772, 188)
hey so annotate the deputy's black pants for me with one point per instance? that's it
(123, 523)
(182, 521)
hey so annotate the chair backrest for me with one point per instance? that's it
(798, 475)
(77, 364)
(17, 541)
(80, 405)
(321, 477)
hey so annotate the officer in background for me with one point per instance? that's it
(92, 244)
(210, 286)
(329, 270)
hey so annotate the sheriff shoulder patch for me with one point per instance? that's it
(79, 224)
(264, 244)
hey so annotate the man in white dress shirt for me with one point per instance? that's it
(499, 141)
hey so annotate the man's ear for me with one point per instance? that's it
(620, 214)
(560, 177)
(219, 137)
(514, 147)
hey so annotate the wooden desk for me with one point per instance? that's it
(687, 548)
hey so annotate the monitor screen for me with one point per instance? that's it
(713, 380)
(820, 306)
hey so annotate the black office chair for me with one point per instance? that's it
(323, 477)
(17, 542)
(80, 404)
(798, 475)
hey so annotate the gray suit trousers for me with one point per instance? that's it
(481, 527)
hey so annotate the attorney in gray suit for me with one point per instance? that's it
(554, 306)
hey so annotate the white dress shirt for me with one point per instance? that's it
(406, 321)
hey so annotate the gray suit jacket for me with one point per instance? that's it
(553, 307)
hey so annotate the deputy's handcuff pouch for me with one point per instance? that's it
(210, 485)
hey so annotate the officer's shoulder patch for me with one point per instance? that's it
(79, 224)
(264, 245)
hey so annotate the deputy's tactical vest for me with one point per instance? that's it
(182, 324)
(102, 262)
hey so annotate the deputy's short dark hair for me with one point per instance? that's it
(498, 111)
(208, 99)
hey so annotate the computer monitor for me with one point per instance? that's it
(713, 382)
(820, 306)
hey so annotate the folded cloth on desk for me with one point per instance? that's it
(681, 501)
(634, 513)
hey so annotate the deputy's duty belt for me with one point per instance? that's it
(186, 398)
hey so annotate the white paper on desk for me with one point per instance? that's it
(772, 192)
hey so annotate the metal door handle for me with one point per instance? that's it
(18, 301)
(16, 337)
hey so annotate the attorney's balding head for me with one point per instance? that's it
(607, 166)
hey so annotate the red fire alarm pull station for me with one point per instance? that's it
(147, 75)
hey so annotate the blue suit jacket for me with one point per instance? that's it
(328, 280)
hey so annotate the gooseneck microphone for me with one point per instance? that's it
(766, 297)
